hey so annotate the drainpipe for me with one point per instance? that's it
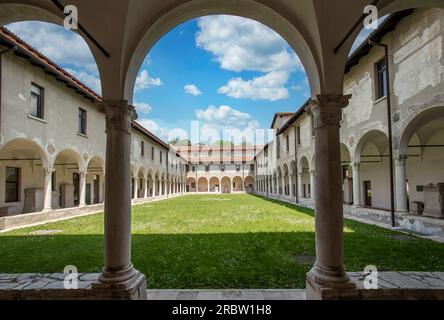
(390, 131)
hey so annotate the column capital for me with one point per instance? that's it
(48, 171)
(327, 109)
(400, 160)
(356, 165)
(119, 115)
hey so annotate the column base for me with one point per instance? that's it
(127, 283)
(321, 282)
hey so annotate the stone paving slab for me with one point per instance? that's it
(233, 295)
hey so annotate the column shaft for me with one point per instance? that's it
(357, 185)
(401, 185)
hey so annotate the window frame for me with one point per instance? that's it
(380, 85)
(40, 101)
(83, 118)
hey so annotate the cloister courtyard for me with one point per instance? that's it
(214, 241)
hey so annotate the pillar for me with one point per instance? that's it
(401, 184)
(119, 272)
(145, 187)
(357, 185)
(293, 186)
(300, 187)
(313, 184)
(328, 271)
(82, 191)
(136, 188)
(47, 190)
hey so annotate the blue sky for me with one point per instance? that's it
(228, 73)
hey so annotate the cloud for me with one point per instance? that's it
(193, 90)
(66, 48)
(142, 107)
(225, 122)
(240, 44)
(144, 81)
(269, 87)
(155, 128)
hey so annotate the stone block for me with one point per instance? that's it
(434, 201)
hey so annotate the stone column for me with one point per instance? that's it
(300, 187)
(136, 188)
(119, 272)
(145, 187)
(401, 185)
(47, 190)
(313, 184)
(82, 191)
(292, 188)
(357, 185)
(328, 271)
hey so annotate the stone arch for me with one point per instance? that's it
(17, 11)
(415, 123)
(95, 178)
(377, 138)
(238, 184)
(286, 180)
(249, 184)
(226, 185)
(191, 184)
(202, 183)
(243, 8)
(215, 184)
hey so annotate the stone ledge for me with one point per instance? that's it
(51, 287)
(391, 286)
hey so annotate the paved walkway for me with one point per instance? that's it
(252, 295)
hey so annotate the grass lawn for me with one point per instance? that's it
(227, 241)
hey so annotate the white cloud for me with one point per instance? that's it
(225, 122)
(192, 89)
(268, 87)
(240, 44)
(66, 48)
(144, 81)
(154, 127)
(142, 107)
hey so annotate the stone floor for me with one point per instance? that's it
(252, 295)
(392, 285)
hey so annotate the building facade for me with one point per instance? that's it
(219, 169)
(285, 167)
(52, 142)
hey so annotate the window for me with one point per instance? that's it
(37, 98)
(142, 149)
(251, 167)
(82, 121)
(298, 136)
(12, 185)
(194, 169)
(222, 168)
(152, 153)
(207, 168)
(288, 143)
(161, 156)
(381, 79)
(238, 167)
(278, 147)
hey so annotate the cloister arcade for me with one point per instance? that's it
(312, 29)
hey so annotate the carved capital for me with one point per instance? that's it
(400, 161)
(119, 115)
(327, 109)
(47, 171)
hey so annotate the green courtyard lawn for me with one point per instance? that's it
(227, 241)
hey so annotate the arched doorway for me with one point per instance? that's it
(191, 185)
(70, 179)
(249, 184)
(238, 185)
(203, 184)
(347, 175)
(226, 185)
(95, 181)
(23, 172)
(215, 185)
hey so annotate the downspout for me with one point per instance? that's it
(390, 131)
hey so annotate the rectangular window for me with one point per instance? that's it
(298, 136)
(207, 168)
(152, 153)
(37, 101)
(251, 167)
(288, 143)
(222, 168)
(278, 147)
(142, 149)
(381, 79)
(12, 185)
(161, 156)
(82, 121)
(238, 167)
